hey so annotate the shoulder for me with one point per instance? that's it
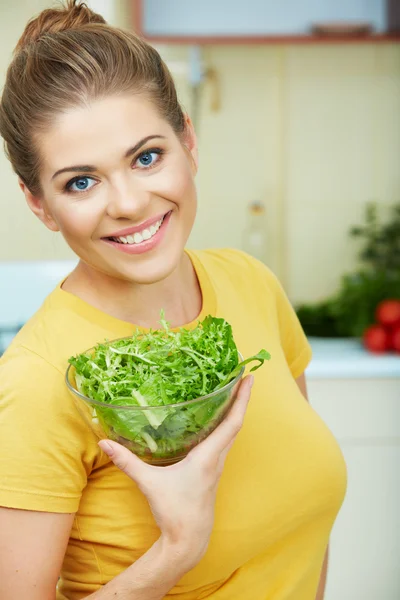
(18, 362)
(242, 282)
(32, 391)
(234, 263)
(34, 394)
(34, 341)
(54, 334)
(231, 257)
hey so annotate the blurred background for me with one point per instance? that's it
(297, 108)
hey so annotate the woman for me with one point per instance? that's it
(104, 155)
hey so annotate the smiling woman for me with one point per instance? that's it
(105, 155)
(144, 179)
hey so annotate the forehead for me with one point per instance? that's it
(99, 131)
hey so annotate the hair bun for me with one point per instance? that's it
(72, 15)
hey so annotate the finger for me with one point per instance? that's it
(226, 432)
(124, 459)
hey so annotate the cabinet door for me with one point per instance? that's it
(365, 542)
(364, 416)
(254, 17)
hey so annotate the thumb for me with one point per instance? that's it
(123, 458)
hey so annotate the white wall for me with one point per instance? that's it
(22, 236)
(312, 131)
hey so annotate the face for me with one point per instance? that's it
(119, 184)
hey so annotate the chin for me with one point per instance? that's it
(148, 276)
(148, 269)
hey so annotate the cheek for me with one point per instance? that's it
(177, 184)
(79, 219)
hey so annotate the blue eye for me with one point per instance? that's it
(80, 184)
(148, 159)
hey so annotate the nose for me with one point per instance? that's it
(126, 200)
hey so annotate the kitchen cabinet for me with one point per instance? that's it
(358, 397)
(256, 20)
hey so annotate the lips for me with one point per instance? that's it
(139, 236)
(142, 245)
(137, 228)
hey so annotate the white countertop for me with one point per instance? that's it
(347, 358)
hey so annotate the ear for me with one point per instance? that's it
(38, 207)
(190, 142)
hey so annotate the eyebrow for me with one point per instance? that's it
(91, 168)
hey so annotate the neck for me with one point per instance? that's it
(179, 295)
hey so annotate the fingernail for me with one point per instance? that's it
(251, 381)
(106, 447)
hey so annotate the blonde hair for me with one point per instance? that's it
(67, 57)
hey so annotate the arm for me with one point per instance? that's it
(302, 384)
(149, 578)
(322, 582)
(32, 548)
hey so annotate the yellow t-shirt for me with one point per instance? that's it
(283, 482)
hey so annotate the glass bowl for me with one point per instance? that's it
(159, 435)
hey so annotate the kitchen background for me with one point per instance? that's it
(298, 133)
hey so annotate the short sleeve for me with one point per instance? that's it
(294, 342)
(47, 449)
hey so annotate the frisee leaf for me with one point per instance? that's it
(158, 368)
(261, 357)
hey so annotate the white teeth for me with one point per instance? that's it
(138, 237)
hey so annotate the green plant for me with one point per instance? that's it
(318, 320)
(381, 250)
(353, 307)
(351, 310)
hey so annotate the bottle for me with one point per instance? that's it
(255, 232)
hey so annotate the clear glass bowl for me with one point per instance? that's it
(159, 435)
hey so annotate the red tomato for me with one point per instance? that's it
(376, 339)
(395, 340)
(388, 313)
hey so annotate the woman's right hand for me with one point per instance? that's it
(182, 496)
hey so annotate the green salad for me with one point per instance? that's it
(156, 369)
